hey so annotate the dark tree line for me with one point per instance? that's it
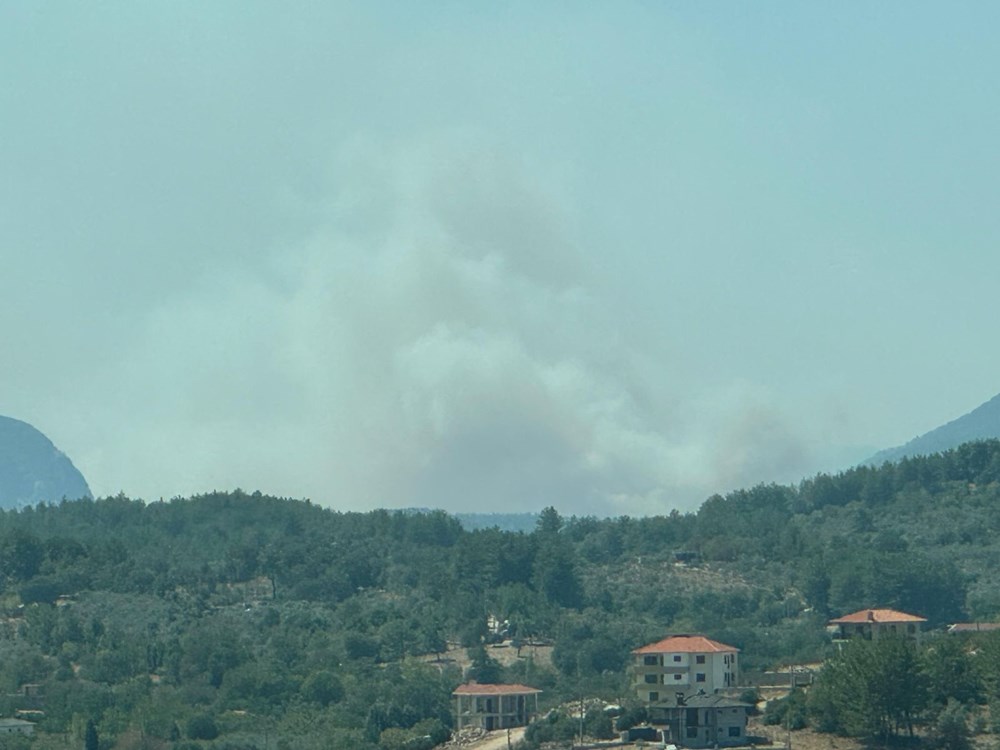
(152, 617)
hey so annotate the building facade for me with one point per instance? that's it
(16, 726)
(683, 663)
(700, 720)
(872, 624)
(492, 707)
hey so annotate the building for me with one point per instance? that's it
(492, 707)
(683, 663)
(16, 726)
(872, 624)
(700, 719)
(496, 627)
(973, 627)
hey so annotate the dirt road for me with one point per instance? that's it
(497, 740)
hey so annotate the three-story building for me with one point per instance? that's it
(683, 663)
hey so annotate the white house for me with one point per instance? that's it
(16, 726)
(701, 720)
(492, 707)
(871, 624)
(683, 663)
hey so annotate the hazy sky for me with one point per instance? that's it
(613, 257)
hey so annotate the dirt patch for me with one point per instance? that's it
(498, 740)
(802, 739)
(504, 653)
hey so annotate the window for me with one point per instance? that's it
(692, 732)
(700, 677)
(699, 659)
(677, 676)
(677, 657)
(651, 679)
(649, 661)
(734, 731)
(653, 697)
(911, 628)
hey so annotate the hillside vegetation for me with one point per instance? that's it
(236, 620)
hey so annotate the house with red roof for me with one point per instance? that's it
(681, 664)
(492, 707)
(871, 624)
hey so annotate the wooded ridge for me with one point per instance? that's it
(226, 619)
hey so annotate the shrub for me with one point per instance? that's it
(631, 717)
(789, 711)
(201, 727)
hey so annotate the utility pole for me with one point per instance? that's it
(788, 711)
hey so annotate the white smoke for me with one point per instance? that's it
(436, 342)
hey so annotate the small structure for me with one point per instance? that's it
(871, 624)
(16, 726)
(31, 689)
(973, 627)
(497, 627)
(800, 675)
(701, 720)
(492, 707)
(683, 663)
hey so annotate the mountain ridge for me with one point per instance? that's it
(982, 423)
(33, 469)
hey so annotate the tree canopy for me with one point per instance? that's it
(254, 611)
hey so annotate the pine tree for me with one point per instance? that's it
(90, 739)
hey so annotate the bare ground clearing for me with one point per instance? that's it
(504, 653)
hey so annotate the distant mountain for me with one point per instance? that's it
(504, 521)
(981, 423)
(32, 469)
(472, 521)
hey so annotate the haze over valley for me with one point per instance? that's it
(391, 376)
(612, 259)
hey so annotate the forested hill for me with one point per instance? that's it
(32, 469)
(234, 612)
(982, 423)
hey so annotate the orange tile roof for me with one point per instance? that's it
(475, 688)
(685, 644)
(876, 615)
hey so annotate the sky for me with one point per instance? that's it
(490, 257)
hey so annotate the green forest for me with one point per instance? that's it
(237, 620)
